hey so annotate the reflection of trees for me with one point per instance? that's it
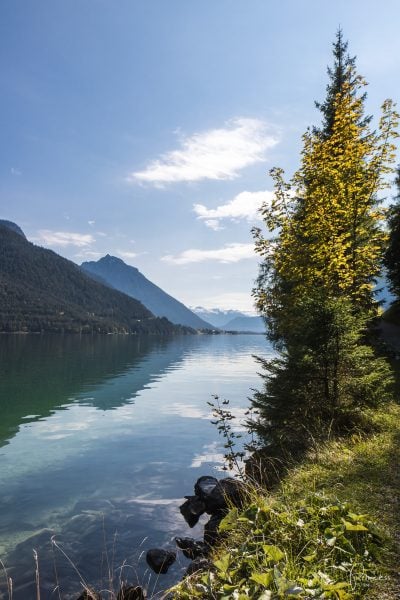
(41, 373)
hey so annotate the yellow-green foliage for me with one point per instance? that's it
(324, 533)
(328, 218)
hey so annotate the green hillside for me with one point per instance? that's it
(41, 291)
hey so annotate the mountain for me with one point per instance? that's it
(231, 320)
(216, 316)
(12, 226)
(130, 280)
(41, 291)
(244, 323)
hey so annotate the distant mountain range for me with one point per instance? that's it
(132, 282)
(41, 291)
(231, 320)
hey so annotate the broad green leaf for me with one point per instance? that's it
(351, 527)
(223, 563)
(265, 579)
(229, 521)
(273, 552)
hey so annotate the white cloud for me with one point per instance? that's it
(85, 254)
(230, 253)
(15, 172)
(213, 224)
(64, 238)
(91, 223)
(245, 205)
(213, 154)
(127, 255)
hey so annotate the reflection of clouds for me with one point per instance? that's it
(163, 514)
(56, 436)
(211, 454)
(188, 411)
(144, 499)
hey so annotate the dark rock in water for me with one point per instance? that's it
(160, 560)
(192, 548)
(211, 533)
(200, 564)
(131, 593)
(89, 595)
(228, 492)
(192, 510)
(204, 486)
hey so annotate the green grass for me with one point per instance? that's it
(329, 530)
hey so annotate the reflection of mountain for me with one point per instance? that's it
(41, 373)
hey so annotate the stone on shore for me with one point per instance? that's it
(192, 510)
(192, 548)
(160, 560)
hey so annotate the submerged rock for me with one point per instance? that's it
(192, 548)
(160, 560)
(192, 510)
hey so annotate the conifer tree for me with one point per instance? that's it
(341, 73)
(320, 269)
(392, 256)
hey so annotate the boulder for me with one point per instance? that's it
(192, 510)
(226, 493)
(211, 533)
(204, 486)
(192, 548)
(160, 560)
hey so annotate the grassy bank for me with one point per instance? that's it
(330, 530)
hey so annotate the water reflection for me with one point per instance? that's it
(105, 436)
(41, 373)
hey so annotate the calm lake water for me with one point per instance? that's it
(100, 439)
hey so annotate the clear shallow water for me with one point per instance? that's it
(100, 439)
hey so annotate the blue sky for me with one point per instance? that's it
(146, 128)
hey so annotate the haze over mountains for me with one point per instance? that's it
(231, 320)
(132, 282)
(41, 291)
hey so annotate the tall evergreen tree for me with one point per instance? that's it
(320, 269)
(343, 72)
(392, 256)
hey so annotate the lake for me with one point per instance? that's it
(100, 439)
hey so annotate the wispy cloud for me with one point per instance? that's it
(230, 253)
(88, 254)
(213, 224)
(64, 238)
(126, 254)
(212, 154)
(245, 205)
(16, 172)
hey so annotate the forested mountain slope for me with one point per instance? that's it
(41, 291)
